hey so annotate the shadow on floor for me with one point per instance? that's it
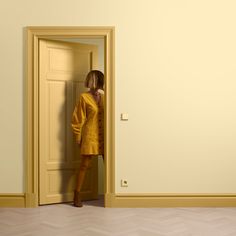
(97, 203)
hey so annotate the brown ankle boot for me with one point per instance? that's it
(77, 199)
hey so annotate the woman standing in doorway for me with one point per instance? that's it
(87, 124)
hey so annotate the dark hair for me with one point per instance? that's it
(94, 79)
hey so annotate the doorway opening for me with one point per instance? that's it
(51, 90)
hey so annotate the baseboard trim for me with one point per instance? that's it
(184, 200)
(12, 200)
(140, 200)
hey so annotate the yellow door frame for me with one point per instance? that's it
(31, 137)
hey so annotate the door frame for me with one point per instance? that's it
(31, 101)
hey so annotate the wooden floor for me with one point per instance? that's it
(95, 220)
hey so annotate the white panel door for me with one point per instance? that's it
(62, 70)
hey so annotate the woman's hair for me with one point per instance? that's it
(94, 80)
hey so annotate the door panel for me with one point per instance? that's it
(62, 70)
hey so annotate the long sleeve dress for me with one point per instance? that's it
(88, 124)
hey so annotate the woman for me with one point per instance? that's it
(87, 125)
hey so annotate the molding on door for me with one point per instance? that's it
(12, 200)
(33, 34)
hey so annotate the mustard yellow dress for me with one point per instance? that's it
(88, 124)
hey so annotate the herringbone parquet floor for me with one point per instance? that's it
(94, 220)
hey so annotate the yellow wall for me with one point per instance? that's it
(175, 76)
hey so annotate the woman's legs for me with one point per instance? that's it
(84, 165)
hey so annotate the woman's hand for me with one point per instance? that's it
(78, 140)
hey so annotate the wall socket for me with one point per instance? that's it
(124, 183)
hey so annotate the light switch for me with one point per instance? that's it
(124, 116)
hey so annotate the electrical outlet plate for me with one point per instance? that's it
(124, 183)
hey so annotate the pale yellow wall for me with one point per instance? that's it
(175, 76)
